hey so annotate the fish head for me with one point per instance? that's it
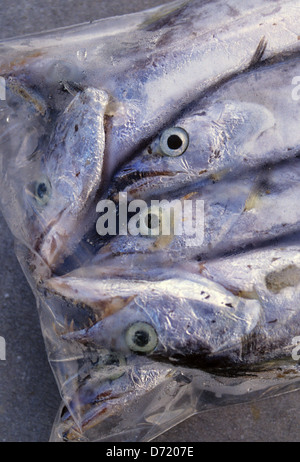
(107, 385)
(211, 139)
(156, 330)
(170, 314)
(51, 189)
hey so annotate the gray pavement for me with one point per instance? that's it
(29, 396)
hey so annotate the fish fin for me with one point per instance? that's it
(259, 52)
(72, 87)
(96, 298)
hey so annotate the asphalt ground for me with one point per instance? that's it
(29, 397)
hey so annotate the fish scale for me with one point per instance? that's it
(191, 101)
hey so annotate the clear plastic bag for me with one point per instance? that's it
(150, 174)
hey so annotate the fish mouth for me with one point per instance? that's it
(135, 182)
(50, 243)
(59, 240)
(101, 408)
(51, 248)
(61, 237)
(99, 399)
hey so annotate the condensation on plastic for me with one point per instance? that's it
(86, 100)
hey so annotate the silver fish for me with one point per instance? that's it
(229, 130)
(219, 313)
(174, 304)
(157, 298)
(201, 39)
(239, 316)
(167, 114)
(229, 316)
(133, 114)
(72, 170)
(53, 191)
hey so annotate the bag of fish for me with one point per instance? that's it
(150, 176)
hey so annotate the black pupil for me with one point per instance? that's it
(141, 338)
(174, 142)
(41, 190)
(111, 360)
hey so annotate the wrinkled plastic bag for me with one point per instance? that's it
(154, 311)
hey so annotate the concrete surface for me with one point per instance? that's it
(28, 394)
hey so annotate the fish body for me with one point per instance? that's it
(192, 101)
(249, 122)
(200, 42)
(74, 178)
(55, 188)
(231, 316)
(209, 219)
(245, 315)
(204, 44)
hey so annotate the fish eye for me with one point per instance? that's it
(174, 141)
(42, 191)
(111, 365)
(150, 222)
(141, 337)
